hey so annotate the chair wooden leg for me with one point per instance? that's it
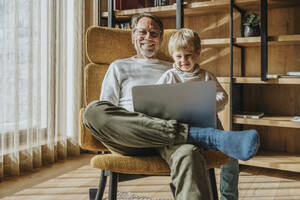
(102, 184)
(113, 186)
(213, 183)
(172, 189)
(97, 193)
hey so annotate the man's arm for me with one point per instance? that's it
(110, 90)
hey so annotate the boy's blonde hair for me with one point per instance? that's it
(184, 39)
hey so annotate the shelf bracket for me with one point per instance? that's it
(231, 63)
(111, 15)
(99, 12)
(264, 39)
(179, 14)
(240, 10)
(238, 46)
(232, 44)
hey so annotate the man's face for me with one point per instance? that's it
(146, 38)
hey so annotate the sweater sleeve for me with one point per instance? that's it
(169, 77)
(165, 78)
(221, 95)
(110, 90)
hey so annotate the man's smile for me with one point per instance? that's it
(147, 45)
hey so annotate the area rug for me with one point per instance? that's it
(131, 196)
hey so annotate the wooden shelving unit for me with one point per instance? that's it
(277, 132)
(223, 79)
(197, 8)
(257, 80)
(275, 160)
(276, 121)
(272, 40)
(221, 42)
(280, 40)
(160, 11)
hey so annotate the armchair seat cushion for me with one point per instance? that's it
(148, 164)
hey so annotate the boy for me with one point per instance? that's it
(184, 47)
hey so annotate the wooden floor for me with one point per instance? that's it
(71, 179)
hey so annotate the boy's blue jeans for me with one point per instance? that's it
(131, 133)
(229, 178)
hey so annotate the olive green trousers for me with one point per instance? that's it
(132, 133)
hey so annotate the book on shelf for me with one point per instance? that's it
(124, 25)
(128, 4)
(161, 2)
(287, 75)
(296, 119)
(292, 75)
(251, 115)
(273, 76)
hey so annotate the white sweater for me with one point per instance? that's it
(123, 74)
(175, 76)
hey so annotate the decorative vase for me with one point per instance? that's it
(250, 31)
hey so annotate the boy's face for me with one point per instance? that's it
(185, 60)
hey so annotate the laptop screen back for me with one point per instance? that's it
(193, 103)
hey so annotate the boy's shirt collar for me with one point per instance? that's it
(195, 72)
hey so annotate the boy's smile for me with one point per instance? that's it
(185, 60)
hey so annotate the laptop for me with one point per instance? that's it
(193, 103)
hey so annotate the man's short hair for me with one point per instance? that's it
(184, 39)
(136, 18)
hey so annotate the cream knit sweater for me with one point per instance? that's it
(123, 74)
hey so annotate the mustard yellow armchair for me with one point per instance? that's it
(103, 46)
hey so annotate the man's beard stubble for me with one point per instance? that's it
(145, 53)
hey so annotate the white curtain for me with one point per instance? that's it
(41, 61)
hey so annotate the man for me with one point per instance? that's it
(113, 122)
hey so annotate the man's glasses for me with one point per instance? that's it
(143, 33)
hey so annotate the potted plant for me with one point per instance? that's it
(251, 25)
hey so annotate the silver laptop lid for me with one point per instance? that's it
(193, 103)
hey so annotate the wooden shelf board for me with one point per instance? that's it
(160, 11)
(272, 40)
(253, 41)
(254, 4)
(257, 80)
(223, 79)
(275, 160)
(204, 7)
(278, 121)
(170, 10)
(220, 42)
